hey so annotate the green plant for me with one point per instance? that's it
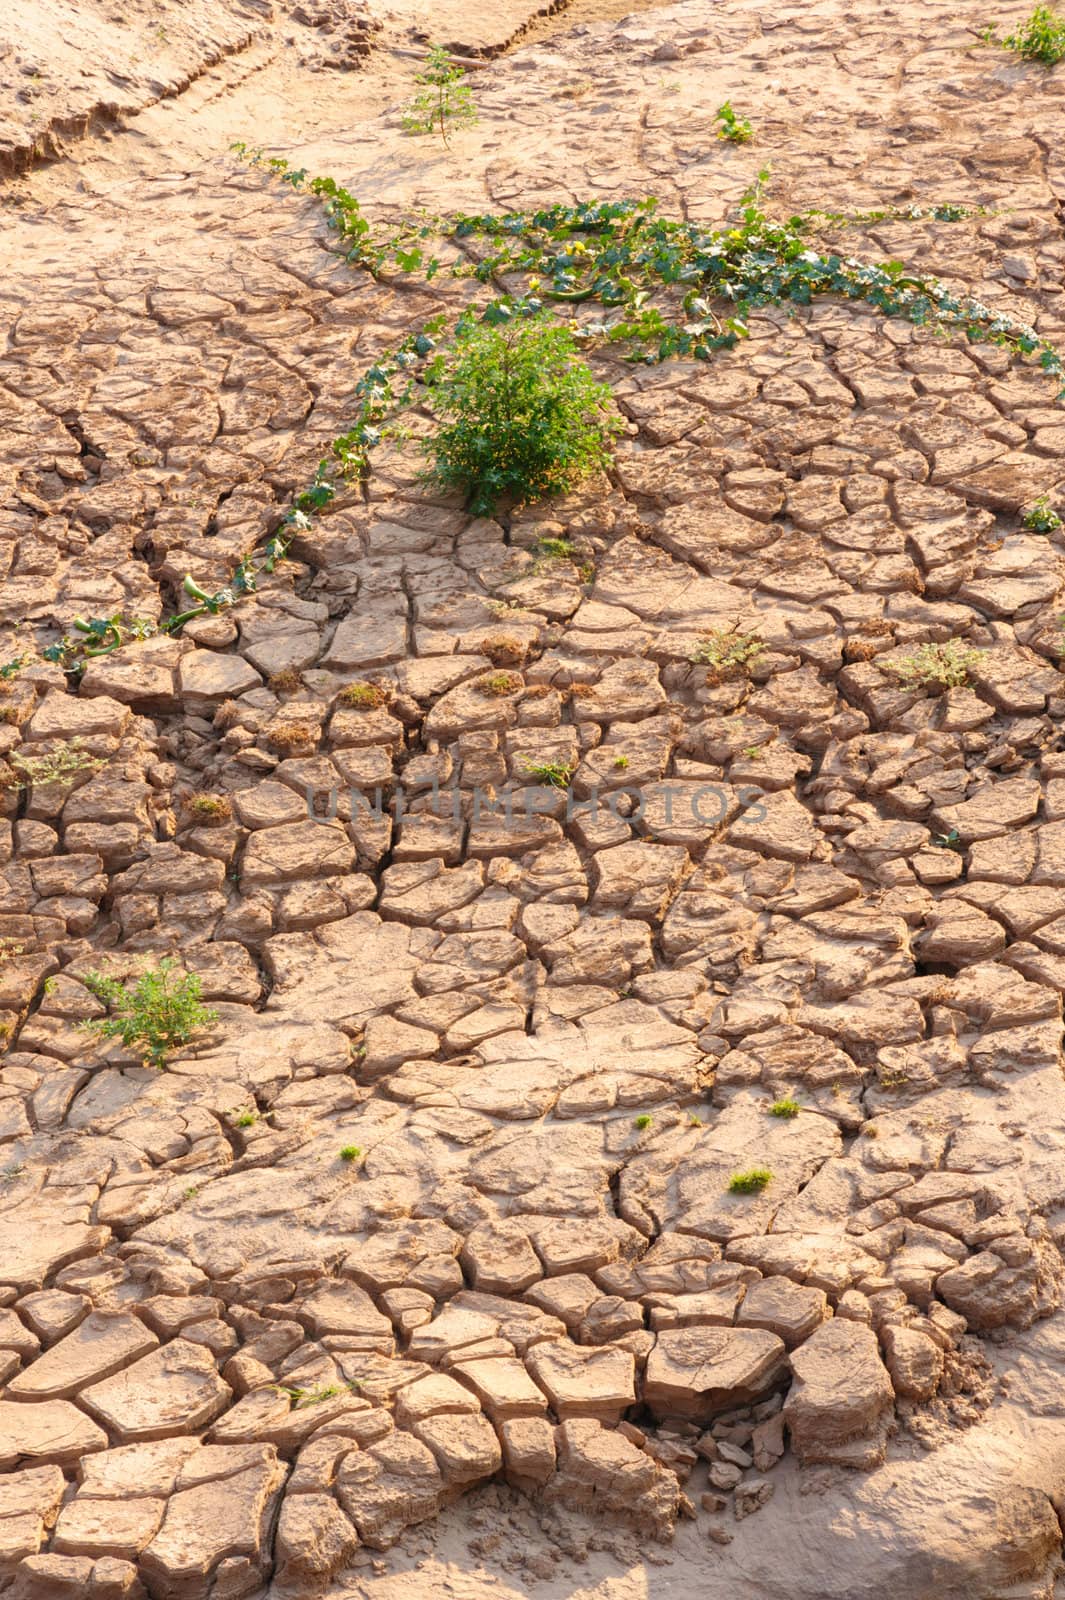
(786, 1108)
(12, 1171)
(1041, 516)
(445, 97)
(160, 1012)
(753, 1181)
(643, 1121)
(191, 1192)
(362, 696)
(1041, 37)
(701, 284)
(212, 809)
(498, 684)
(948, 841)
(753, 752)
(620, 763)
(524, 417)
(350, 1152)
(247, 1119)
(727, 654)
(552, 774)
(54, 766)
(555, 549)
(737, 130)
(946, 665)
(312, 1397)
(12, 668)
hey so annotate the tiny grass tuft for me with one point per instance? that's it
(753, 1181)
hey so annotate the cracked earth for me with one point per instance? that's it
(527, 1342)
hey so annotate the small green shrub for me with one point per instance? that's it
(643, 1121)
(946, 665)
(350, 1152)
(737, 130)
(159, 1013)
(1040, 38)
(620, 763)
(523, 415)
(1041, 516)
(444, 101)
(751, 1182)
(727, 653)
(786, 1108)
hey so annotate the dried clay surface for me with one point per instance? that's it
(522, 1338)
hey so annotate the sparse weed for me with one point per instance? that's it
(734, 129)
(552, 774)
(292, 738)
(1041, 516)
(946, 666)
(350, 1152)
(499, 684)
(1041, 37)
(620, 763)
(445, 100)
(643, 1122)
(312, 1397)
(948, 841)
(160, 1012)
(555, 549)
(285, 682)
(727, 653)
(55, 766)
(503, 650)
(753, 1181)
(362, 696)
(785, 1109)
(210, 809)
